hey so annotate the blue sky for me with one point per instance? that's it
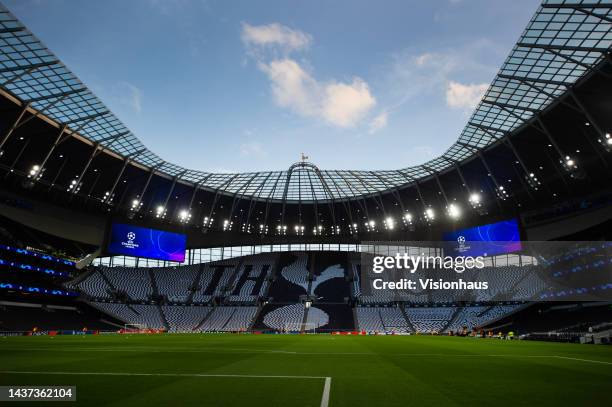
(249, 85)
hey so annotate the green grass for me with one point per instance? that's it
(365, 370)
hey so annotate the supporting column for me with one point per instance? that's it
(94, 153)
(117, 179)
(10, 131)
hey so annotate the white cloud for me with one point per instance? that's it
(341, 104)
(422, 59)
(337, 103)
(252, 149)
(292, 86)
(134, 97)
(126, 94)
(414, 75)
(460, 96)
(344, 105)
(275, 35)
(379, 122)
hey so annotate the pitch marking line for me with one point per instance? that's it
(285, 352)
(324, 397)
(326, 388)
(585, 360)
(178, 350)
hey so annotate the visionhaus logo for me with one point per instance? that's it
(130, 244)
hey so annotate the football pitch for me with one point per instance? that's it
(308, 370)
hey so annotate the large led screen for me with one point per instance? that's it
(491, 239)
(135, 241)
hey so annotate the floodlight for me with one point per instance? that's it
(502, 193)
(389, 223)
(184, 215)
(454, 211)
(606, 142)
(533, 181)
(569, 163)
(430, 214)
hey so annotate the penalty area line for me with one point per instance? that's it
(326, 389)
(324, 397)
(584, 360)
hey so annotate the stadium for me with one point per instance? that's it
(480, 275)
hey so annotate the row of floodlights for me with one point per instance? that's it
(569, 164)
(389, 223)
(453, 210)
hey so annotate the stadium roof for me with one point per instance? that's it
(563, 41)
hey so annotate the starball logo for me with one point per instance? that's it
(462, 246)
(130, 244)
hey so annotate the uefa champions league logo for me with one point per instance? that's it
(130, 244)
(462, 247)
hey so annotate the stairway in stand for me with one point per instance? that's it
(403, 309)
(195, 286)
(208, 314)
(311, 275)
(452, 320)
(163, 317)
